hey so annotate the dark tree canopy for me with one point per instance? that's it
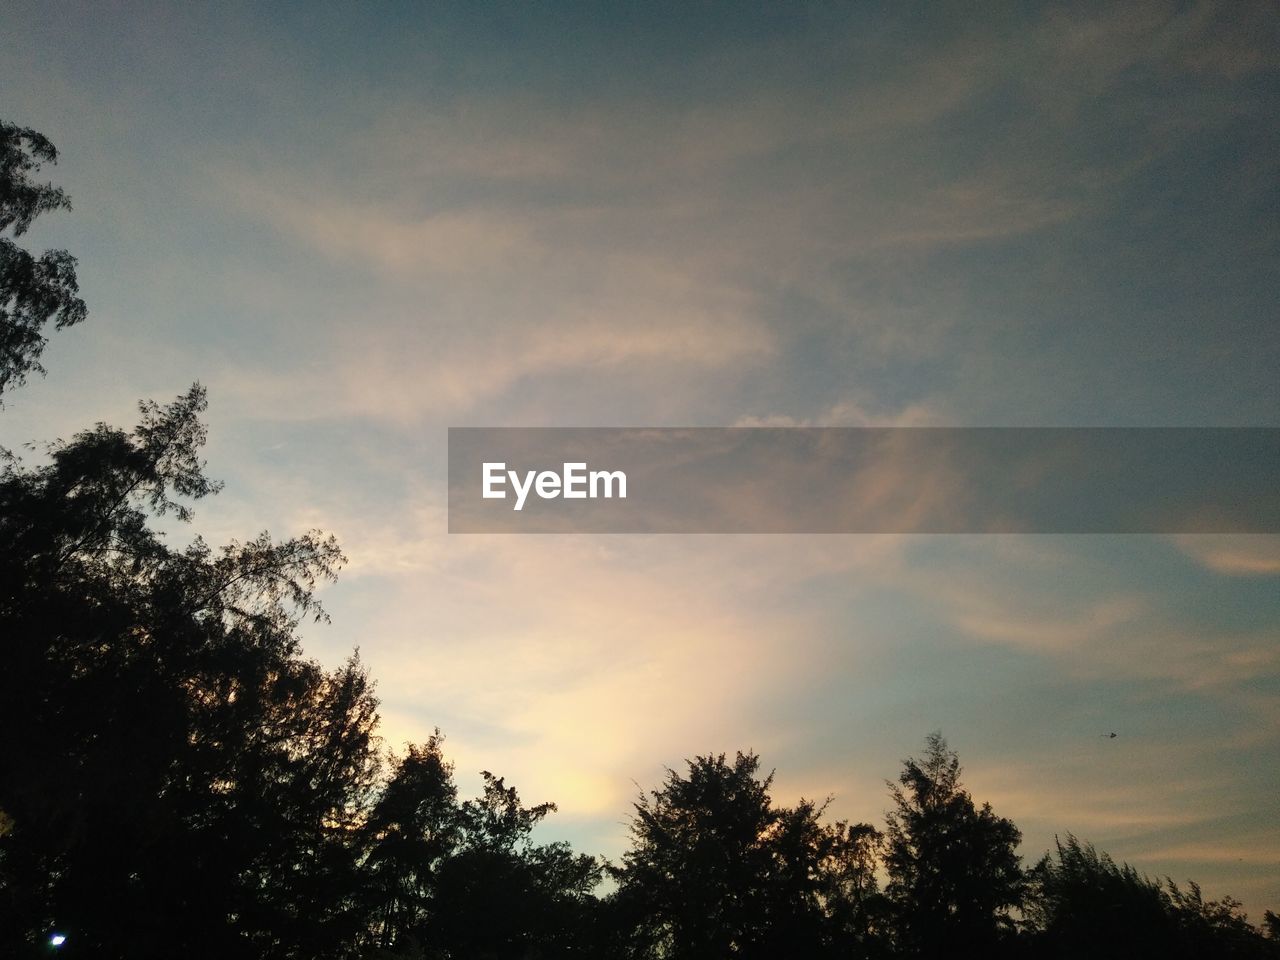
(954, 874)
(450, 879)
(1084, 904)
(716, 870)
(176, 777)
(411, 830)
(178, 756)
(33, 289)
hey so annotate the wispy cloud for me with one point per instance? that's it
(1240, 555)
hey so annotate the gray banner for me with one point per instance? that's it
(864, 480)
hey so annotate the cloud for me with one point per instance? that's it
(1119, 634)
(848, 413)
(992, 617)
(572, 659)
(510, 239)
(1259, 851)
(403, 380)
(1238, 555)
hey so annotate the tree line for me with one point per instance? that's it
(177, 777)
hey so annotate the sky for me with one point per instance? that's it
(361, 225)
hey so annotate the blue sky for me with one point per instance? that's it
(361, 225)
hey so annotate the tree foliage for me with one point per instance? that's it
(954, 875)
(185, 780)
(1082, 903)
(179, 757)
(438, 868)
(33, 289)
(716, 870)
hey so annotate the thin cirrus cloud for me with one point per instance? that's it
(507, 295)
(1117, 628)
(1240, 555)
(534, 226)
(392, 381)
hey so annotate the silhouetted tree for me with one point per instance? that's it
(501, 896)
(954, 875)
(412, 829)
(1215, 928)
(1271, 926)
(716, 870)
(33, 290)
(465, 879)
(1081, 903)
(175, 773)
(177, 778)
(859, 911)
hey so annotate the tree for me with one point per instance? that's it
(412, 828)
(1271, 927)
(858, 909)
(501, 896)
(465, 879)
(954, 875)
(1081, 903)
(1084, 903)
(177, 776)
(1215, 928)
(33, 290)
(716, 870)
